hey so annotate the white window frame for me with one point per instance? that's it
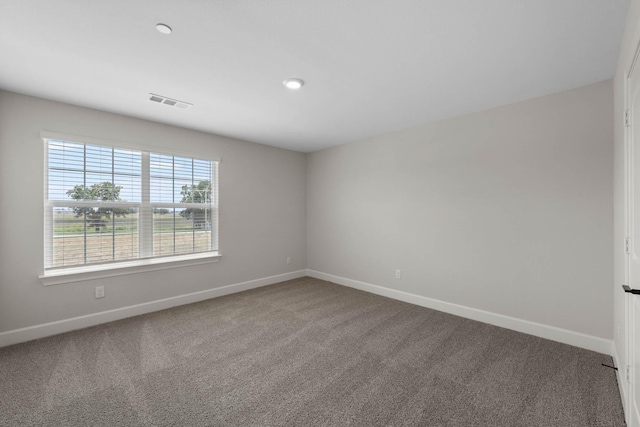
(146, 262)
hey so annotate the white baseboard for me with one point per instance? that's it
(565, 336)
(620, 376)
(577, 339)
(47, 329)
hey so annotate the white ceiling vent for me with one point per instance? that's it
(170, 102)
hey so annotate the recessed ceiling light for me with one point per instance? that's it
(163, 28)
(293, 84)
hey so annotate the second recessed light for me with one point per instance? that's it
(164, 28)
(293, 84)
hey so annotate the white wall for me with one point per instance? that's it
(508, 210)
(262, 215)
(627, 52)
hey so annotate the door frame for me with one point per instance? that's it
(632, 415)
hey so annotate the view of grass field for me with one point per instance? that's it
(67, 223)
(118, 240)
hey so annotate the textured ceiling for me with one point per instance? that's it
(370, 66)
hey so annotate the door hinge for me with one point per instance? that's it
(628, 373)
(627, 119)
(627, 245)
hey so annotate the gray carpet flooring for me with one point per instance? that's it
(304, 353)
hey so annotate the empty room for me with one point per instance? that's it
(320, 213)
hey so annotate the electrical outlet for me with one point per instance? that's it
(99, 291)
(288, 260)
(398, 274)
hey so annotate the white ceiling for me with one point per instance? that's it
(370, 66)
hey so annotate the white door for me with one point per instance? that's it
(633, 224)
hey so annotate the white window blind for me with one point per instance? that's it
(107, 204)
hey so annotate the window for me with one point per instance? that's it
(106, 205)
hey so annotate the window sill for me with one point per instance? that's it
(79, 274)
